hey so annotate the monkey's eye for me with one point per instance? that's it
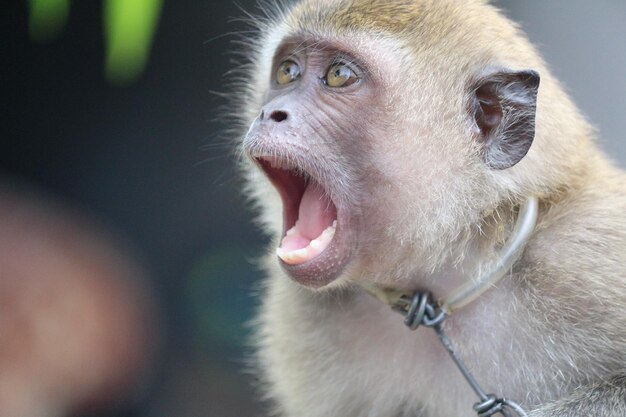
(340, 75)
(287, 72)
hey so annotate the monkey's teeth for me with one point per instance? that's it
(313, 249)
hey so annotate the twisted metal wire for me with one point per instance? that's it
(493, 405)
(421, 311)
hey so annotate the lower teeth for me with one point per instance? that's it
(313, 249)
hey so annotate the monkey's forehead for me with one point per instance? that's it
(468, 32)
(394, 16)
(341, 14)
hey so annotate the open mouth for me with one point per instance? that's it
(309, 213)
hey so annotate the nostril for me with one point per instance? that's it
(278, 116)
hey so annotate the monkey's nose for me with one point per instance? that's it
(276, 115)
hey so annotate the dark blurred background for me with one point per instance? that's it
(147, 160)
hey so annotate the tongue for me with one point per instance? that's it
(316, 215)
(316, 212)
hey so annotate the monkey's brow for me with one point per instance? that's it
(304, 44)
(320, 45)
(348, 59)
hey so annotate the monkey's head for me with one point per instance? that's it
(383, 132)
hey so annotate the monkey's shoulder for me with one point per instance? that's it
(582, 238)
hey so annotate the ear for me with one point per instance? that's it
(504, 104)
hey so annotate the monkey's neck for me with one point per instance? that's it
(489, 275)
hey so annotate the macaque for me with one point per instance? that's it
(76, 319)
(390, 144)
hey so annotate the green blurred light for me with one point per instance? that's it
(129, 29)
(47, 18)
(217, 294)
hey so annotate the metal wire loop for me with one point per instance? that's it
(419, 310)
(493, 405)
(423, 312)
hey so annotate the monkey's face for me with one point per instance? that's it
(311, 139)
(375, 157)
(333, 140)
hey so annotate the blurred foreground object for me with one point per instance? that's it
(129, 27)
(76, 324)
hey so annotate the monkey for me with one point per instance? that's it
(390, 144)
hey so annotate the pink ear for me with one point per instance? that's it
(504, 104)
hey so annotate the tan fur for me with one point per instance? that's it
(556, 325)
